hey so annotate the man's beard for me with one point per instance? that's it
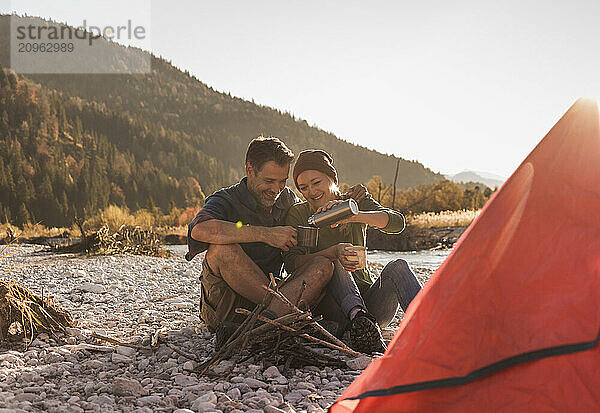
(264, 201)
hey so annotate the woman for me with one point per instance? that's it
(353, 296)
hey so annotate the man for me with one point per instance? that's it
(242, 230)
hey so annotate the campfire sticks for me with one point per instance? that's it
(285, 338)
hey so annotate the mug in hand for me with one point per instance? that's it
(307, 236)
(360, 257)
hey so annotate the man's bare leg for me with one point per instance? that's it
(248, 280)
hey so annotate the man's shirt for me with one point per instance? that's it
(236, 204)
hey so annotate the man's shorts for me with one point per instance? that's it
(219, 301)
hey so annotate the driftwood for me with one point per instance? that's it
(131, 240)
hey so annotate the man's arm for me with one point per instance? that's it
(215, 231)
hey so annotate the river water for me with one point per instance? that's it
(429, 260)
(426, 259)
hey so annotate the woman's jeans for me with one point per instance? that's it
(396, 286)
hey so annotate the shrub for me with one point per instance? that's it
(113, 217)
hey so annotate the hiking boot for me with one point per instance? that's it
(365, 335)
(224, 330)
(332, 327)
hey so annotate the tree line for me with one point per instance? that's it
(440, 196)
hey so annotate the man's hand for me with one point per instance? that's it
(283, 238)
(357, 192)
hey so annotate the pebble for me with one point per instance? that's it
(119, 358)
(143, 364)
(183, 380)
(293, 397)
(359, 363)
(127, 387)
(271, 372)
(255, 384)
(126, 351)
(199, 405)
(92, 288)
(234, 393)
(272, 409)
(210, 397)
(148, 400)
(102, 400)
(189, 365)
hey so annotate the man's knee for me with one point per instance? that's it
(324, 265)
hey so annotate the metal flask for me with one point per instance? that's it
(338, 212)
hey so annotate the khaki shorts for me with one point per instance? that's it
(219, 301)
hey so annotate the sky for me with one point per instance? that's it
(456, 85)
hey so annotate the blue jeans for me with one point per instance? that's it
(396, 286)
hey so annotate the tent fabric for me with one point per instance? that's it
(522, 280)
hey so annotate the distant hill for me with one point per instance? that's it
(72, 144)
(490, 180)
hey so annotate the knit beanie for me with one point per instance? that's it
(314, 159)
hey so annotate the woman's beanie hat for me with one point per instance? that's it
(314, 159)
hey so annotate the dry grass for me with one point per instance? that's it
(461, 218)
(32, 231)
(33, 314)
(115, 217)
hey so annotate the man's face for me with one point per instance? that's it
(266, 184)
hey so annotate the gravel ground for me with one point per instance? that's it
(130, 298)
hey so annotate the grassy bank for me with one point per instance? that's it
(442, 219)
(176, 224)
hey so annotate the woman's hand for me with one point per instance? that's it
(340, 253)
(329, 205)
(357, 192)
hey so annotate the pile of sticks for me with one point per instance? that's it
(35, 314)
(288, 340)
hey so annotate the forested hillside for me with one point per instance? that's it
(72, 144)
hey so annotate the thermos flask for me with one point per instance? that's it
(338, 212)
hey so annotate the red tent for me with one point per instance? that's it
(510, 322)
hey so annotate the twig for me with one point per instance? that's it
(273, 283)
(319, 328)
(155, 337)
(183, 353)
(118, 342)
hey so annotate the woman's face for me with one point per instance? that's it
(316, 187)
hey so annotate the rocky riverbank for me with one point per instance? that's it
(131, 298)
